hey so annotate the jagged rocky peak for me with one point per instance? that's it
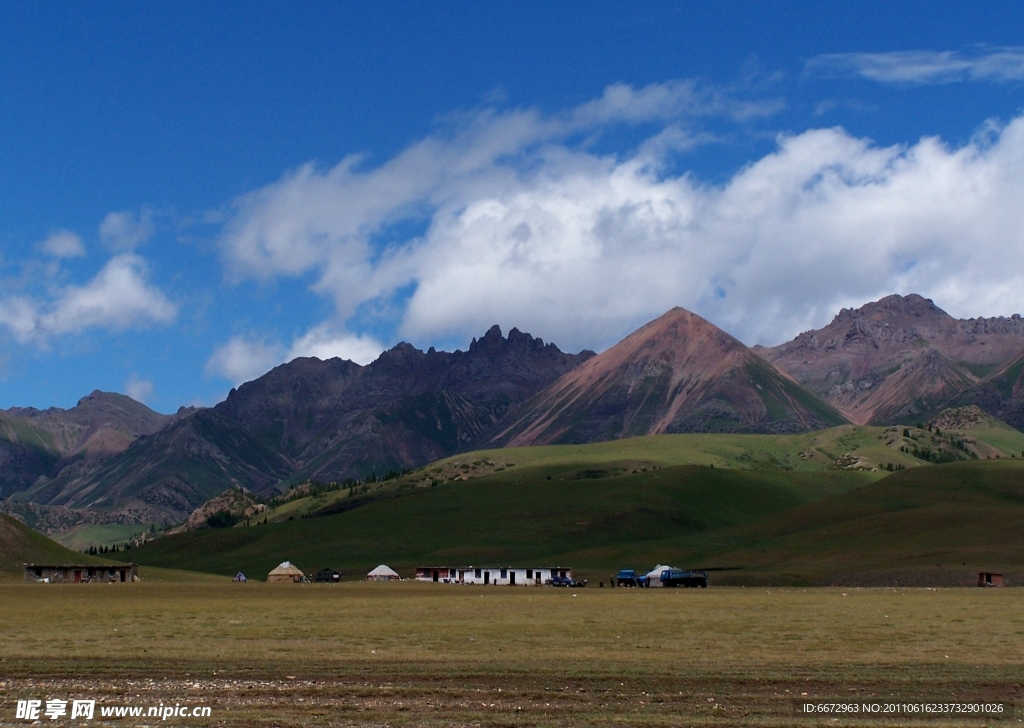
(401, 351)
(895, 305)
(493, 342)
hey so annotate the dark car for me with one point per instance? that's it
(566, 581)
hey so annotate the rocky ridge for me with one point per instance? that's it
(898, 358)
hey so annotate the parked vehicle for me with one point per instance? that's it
(566, 581)
(684, 578)
(629, 577)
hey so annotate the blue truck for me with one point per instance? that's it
(684, 578)
(629, 577)
(668, 577)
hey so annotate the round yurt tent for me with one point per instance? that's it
(328, 576)
(382, 573)
(654, 575)
(285, 572)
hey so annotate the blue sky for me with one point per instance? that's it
(192, 194)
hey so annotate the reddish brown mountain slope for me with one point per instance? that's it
(679, 373)
(897, 358)
(42, 442)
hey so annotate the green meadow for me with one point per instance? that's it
(590, 520)
(935, 525)
(100, 534)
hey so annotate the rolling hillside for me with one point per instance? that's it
(928, 526)
(749, 503)
(19, 544)
(505, 517)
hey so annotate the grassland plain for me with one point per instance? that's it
(408, 654)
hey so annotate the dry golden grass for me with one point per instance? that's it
(415, 654)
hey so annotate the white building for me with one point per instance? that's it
(498, 575)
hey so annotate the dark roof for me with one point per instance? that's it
(79, 566)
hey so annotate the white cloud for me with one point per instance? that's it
(63, 244)
(118, 297)
(982, 63)
(322, 343)
(524, 228)
(244, 358)
(141, 390)
(122, 231)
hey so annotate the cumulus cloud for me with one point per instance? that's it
(322, 343)
(141, 390)
(63, 244)
(118, 297)
(122, 231)
(523, 227)
(244, 358)
(982, 63)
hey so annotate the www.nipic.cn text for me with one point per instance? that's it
(56, 709)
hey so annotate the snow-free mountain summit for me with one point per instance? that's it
(678, 373)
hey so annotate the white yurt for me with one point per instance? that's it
(654, 575)
(382, 573)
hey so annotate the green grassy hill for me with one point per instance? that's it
(924, 526)
(510, 516)
(19, 544)
(799, 509)
(869, 450)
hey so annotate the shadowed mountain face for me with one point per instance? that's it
(335, 419)
(328, 420)
(36, 443)
(899, 358)
(1001, 394)
(164, 476)
(679, 373)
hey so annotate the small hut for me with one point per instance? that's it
(81, 573)
(328, 576)
(240, 577)
(988, 578)
(286, 573)
(383, 573)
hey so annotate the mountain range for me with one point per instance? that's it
(324, 420)
(111, 459)
(903, 358)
